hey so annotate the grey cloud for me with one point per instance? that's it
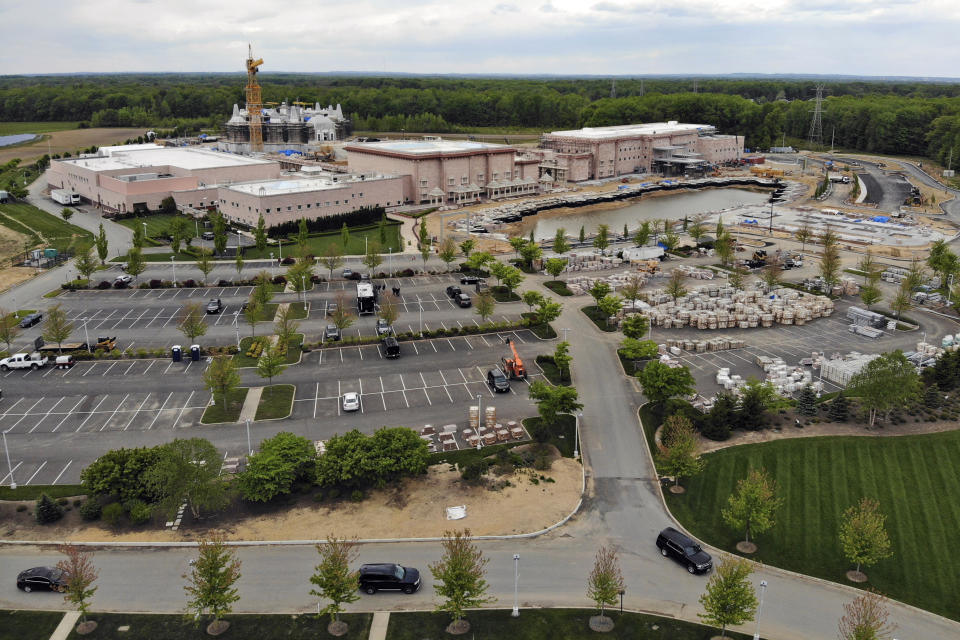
(548, 8)
(505, 7)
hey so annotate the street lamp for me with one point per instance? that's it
(13, 484)
(173, 265)
(576, 437)
(144, 231)
(390, 260)
(420, 304)
(479, 420)
(621, 592)
(763, 588)
(303, 289)
(564, 334)
(236, 326)
(249, 448)
(516, 581)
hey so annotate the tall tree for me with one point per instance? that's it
(192, 322)
(555, 266)
(803, 235)
(868, 265)
(79, 575)
(460, 577)
(697, 229)
(901, 301)
(887, 382)
(517, 243)
(870, 295)
(484, 305)
(583, 235)
(135, 263)
(260, 234)
(178, 232)
(138, 235)
(57, 328)
(332, 258)
(219, 232)
(302, 234)
(863, 534)
(560, 243)
(605, 582)
(678, 457)
(753, 505)
(530, 252)
(675, 288)
(562, 358)
(334, 581)
(610, 305)
(599, 290)
(9, 328)
(830, 259)
(635, 326)
(210, 583)
(251, 315)
(204, 264)
(642, 236)
(531, 298)
(866, 618)
(221, 377)
(631, 290)
(729, 598)
(285, 326)
(548, 310)
(552, 401)
(602, 239)
(188, 470)
(660, 382)
(101, 243)
(271, 363)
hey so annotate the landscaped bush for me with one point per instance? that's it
(113, 513)
(279, 279)
(47, 510)
(155, 283)
(140, 512)
(189, 284)
(256, 347)
(287, 260)
(90, 509)
(358, 461)
(283, 461)
(472, 471)
(103, 285)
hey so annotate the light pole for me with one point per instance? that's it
(516, 582)
(576, 436)
(236, 326)
(420, 304)
(280, 248)
(949, 284)
(565, 330)
(390, 260)
(620, 593)
(763, 588)
(173, 265)
(144, 231)
(249, 448)
(479, 420)
(303, 289)
(13, 483)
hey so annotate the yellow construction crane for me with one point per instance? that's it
(254, 103)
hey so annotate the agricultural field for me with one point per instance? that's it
(12, 128)
(65, 140)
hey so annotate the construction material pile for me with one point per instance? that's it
(591, 262)
(787, 379)
(582, 284)
(714, 307)
(840, 369)
(701, 346)
(696, 274)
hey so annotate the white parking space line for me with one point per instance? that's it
(136, 413)
(107, 421)
(382, 398)
(49, 411)
(30, 479)
(185, 404)
(360, 351)
(15, 467)
(152, 362)
(105, 319)
(91, 414)
(108, 368)
(432, 344)
(415, 350)
(179, 291)
(157, 315)
(515, 335)
(484, 338)
(130, 367)
(316, 395)
(62, 471)
(93, 365)
(19, 400)
(160, 410)
(360, 395)
(26, 413)
(69, 413)
(403, 390)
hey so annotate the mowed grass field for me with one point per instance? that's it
(40, 226)
(157, 224)
(13, 128)
(915, 478)
(317, 244)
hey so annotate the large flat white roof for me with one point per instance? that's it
(427, 147)
(302, 185)
(628, 130)
(182, 157)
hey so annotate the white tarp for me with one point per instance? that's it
(457, 513)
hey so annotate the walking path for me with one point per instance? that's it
(378, 628)
(250, 404)
(66, 625)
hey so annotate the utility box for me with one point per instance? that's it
(176, 353)
(195, 352)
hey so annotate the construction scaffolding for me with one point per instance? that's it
(254, 101)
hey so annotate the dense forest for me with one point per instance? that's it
(916, 118)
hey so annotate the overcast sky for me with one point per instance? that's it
(601, 37)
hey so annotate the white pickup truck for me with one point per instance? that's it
(24, 361)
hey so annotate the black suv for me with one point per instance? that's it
(497, 381)
(463, 300)
(386, 575)
(673, 544)
(453, 291)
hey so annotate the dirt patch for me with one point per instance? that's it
(11, 276)
(71, 140)
(414, 509)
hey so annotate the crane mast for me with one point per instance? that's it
(254, 101)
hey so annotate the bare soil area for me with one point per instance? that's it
(71, 140)
(414, 509)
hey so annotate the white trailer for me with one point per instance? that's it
(65, 196)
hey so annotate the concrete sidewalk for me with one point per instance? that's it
(378, 628)
(66, 625)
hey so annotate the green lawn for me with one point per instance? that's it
(559, 287)
(276, 402)
(317, 244)
(502, 294)
(914, 477)
(32, 492)
(157, 225)
(593, 312)
(14, 318)
(547, 624)
(562, 432)
(293, 352)
(28, 625)
(13, 128)
(34, 223)
(552, 372)
(217, 413)
(242, 627)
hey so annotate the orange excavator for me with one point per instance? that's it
(513, 367)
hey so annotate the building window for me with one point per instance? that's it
(423, 183)
(308, 205)
(289, 208)
(361, 194)
(336, 202)
(450, 181)
(268, 210)
(495, 175)
(506, 175)
(299, 206)
(480, 178)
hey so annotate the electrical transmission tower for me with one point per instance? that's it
(815, 137)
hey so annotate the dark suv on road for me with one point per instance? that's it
(673, 544)
(386, 575)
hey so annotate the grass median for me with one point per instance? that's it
(29, 625)
(913, 477)
(559, 287)
(243, 360)
(276, 402)
(230, 413)
(598, 317)
(32, 492)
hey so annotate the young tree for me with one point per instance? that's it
(271, 363)
(192, 323)
(675, 288)
(57, 328)
(562, 358)
(178, 232)
(753, 505)
(863, 534)
(9, 328)
(251, 316)
(210, 583)
(670, 239)
(599, 290)
(635, 326)
(302, 233)
(467, 247)
(830, 260)
(531, 299)
(332, 258)
(729, 598)
(135, 263)
(902, 301)
(610, 305)
(79, 575)
(605, 583)
(221, 377)
(555, 266)
(517, 243)
(187, 470)
(138, 237)
(334, 580)
(870, 295)
(100, 242)
(203, 263)
(583, 235)
(46, 510)
(723, 246)
(885, 383)
(512, 279)
(642, 236)
(459, 576)
(602, 239)
(633, 349)
(660, 382)
(238, 262)
(447, 251)
(66, 213)
(341, 317)
(839, 410)
(626, 231)
(285, 326)
(389, 309)
(771, 275)
(737, 278)
(631, 290)
(697, 229)
(803, 235)
(530, 252)
(260, 234)
(484, 305)
(678, 457)
(866, 618)
(552, 401)
(560, 243)
(868, 265)
(499, 269)
(373, 259)
(548, 311)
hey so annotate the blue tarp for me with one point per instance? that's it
(202, 135)
(881, 219)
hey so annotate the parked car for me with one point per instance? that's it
(41, 579)
(332, 332)
(30, 320)
(351, 401)
(497, 381)
(122, 280)
(207, 235)
(383, 327)
(453, 291)
(463, 300)
(391, 347)
(469, 279)
(64, 362)
(214, 306)
(388, 576)
(676, 545)
(347, 273)
(331, 308)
